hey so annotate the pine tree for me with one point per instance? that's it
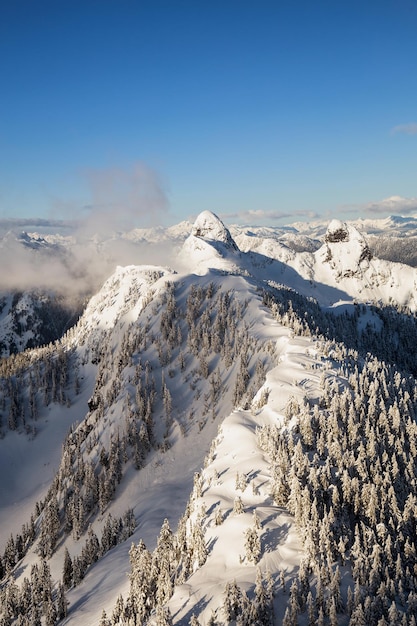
(50, 613)
(333, 621)
(393, 614)
(262, 607)
(232, 604)
(289, 618)
(118, 610)
(163, 616)
(311, 611)
(45, 580)
(141, 583)
(334, 589)
(238, 506)
(61, 602)
(358, 617)
(104, 621)
(79, 569)
(282, 580)
(67, 574)
(294, 600)
(198, 542)
(218, 519)
(252, 545)
(9, 555)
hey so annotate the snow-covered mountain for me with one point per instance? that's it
(341, 270)
(229, 438)
(64, 269)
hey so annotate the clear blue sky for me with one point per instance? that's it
(291, 108)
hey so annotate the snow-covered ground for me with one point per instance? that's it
(221, 445)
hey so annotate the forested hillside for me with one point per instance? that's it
(213, 448)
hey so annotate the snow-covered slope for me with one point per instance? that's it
(209, 246)
(206, 415)
(341, 270)
(203, 391)
(31, 318)
(52, 274)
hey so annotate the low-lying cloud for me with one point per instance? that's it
(76, 255)
(69, 265)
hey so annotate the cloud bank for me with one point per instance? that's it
(72, 265)
(393, 205)
(76, 255)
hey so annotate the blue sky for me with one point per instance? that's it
(263, 112)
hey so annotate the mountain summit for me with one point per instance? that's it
(209, 226)
(345, 249)
(210, 245)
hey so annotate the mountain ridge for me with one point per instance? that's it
(73, 268)
(210, 430)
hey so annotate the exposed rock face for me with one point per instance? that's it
(345, 249)
(337, 231)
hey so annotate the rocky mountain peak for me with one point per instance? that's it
(209, 226)
(345, 249)
(337, 231)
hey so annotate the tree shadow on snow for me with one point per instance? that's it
(266, 268)
(196, 610)
(19, 571)
(211, 544)
(213, 506)
(250, 476)
(273, 538)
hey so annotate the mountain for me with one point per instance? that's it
(227, 439)
(56, 268)
(210, 246)
(35, 317)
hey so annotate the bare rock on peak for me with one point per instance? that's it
(345, 249)
(337, 231)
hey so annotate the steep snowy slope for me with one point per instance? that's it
(48, 276)
(144, 333)
(341, 270)
(32, 318)
(209, 246)
(258, 473)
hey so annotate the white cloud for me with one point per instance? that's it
(124, 198)
(394, 205)
(120, 200)
(405, 129)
